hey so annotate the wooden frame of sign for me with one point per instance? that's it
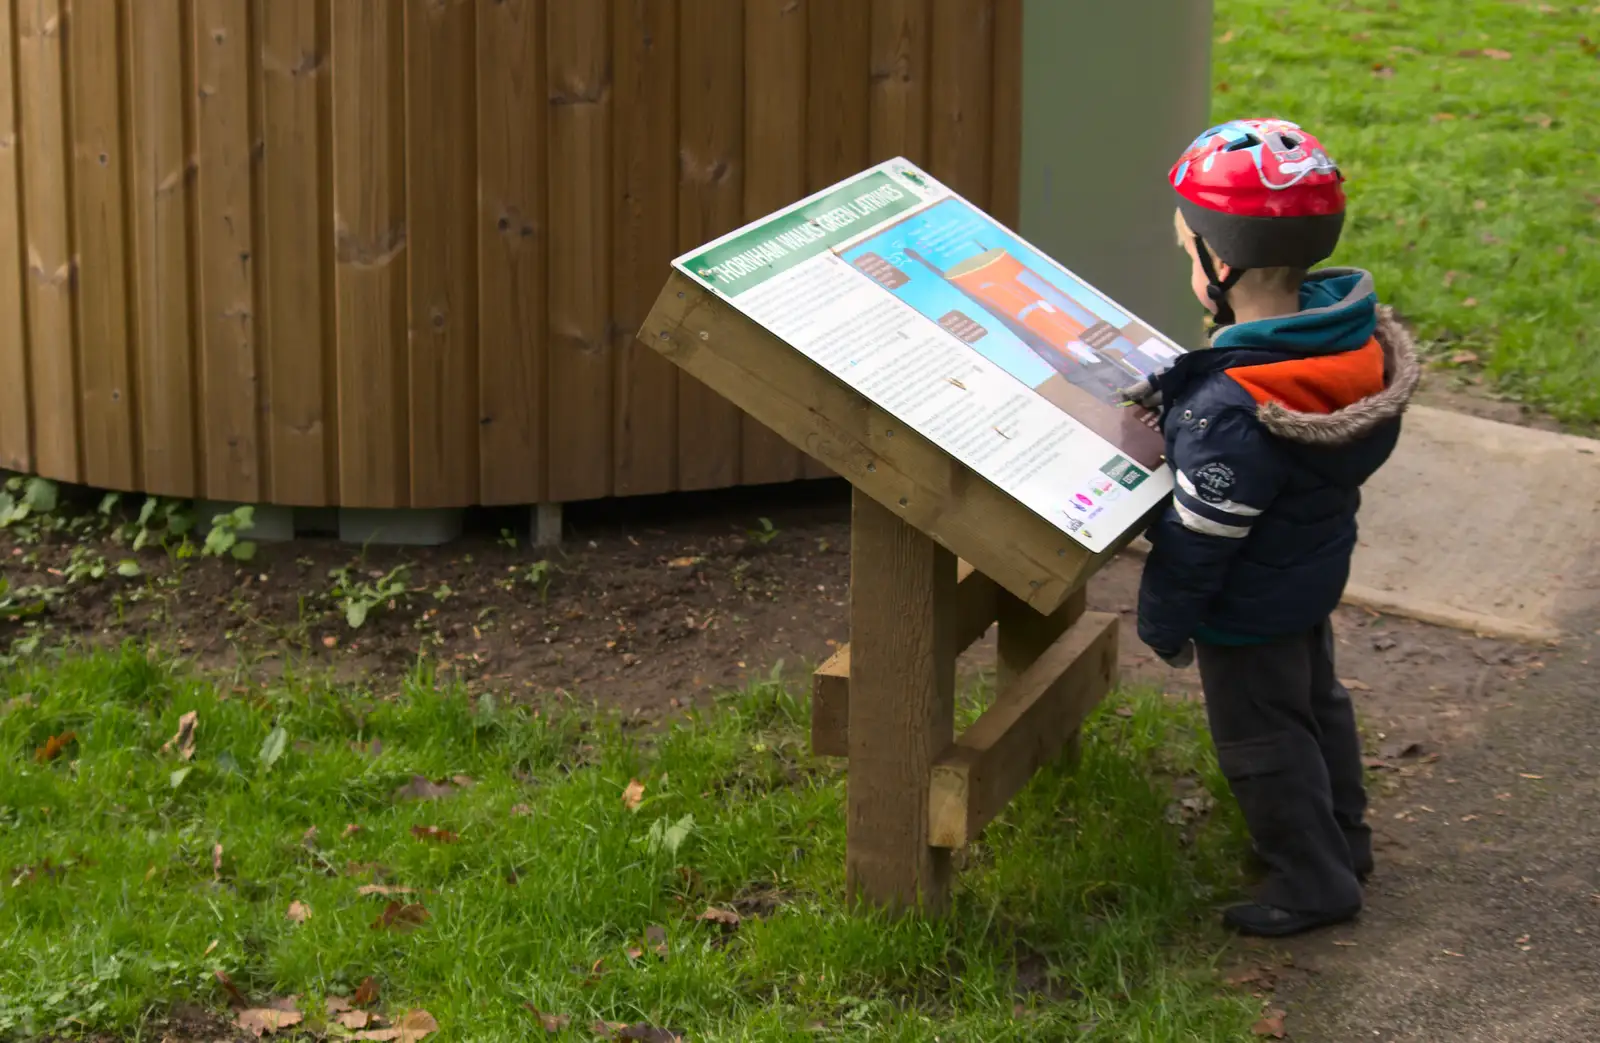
(887, 699)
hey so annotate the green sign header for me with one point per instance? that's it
(753, 257)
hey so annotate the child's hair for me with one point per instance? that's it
(1274, 279)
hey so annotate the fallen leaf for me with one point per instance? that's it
(309, 837)
(521, 810)
(366, 993)
(1527, 776)
(413, 1025)
(435, 834)
(1399, 749)
(399, 917)
(633, 795)
(649, 1034)
(183, 742)
(1270, 1025)
(724, 917)
(266, 1020)
(1440, 117)
(1450, 279)
(1383, 72)
(235, 997)
(216, 862)
(337, 1004)
(1124, 711)
(1376, 764)
(351, 830)
(607, 1029)
(656, 938)
(551, 1023)
(384, 889)
(682, 563)
(1464, 358)
(1497, 54)
(1226, 37)
(1357, 686)
(353, 1019)
(54, 746)
(299, 912)
(422, 788)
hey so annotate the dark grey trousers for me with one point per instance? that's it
(1287, 741)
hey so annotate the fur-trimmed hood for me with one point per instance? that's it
(1401, 373)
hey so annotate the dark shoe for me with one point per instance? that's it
(1266, 921)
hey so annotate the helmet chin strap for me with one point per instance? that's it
(1217, 289)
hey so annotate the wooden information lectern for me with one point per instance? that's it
(886, 701)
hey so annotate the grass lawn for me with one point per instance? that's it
(134, 875)
(1470, 131)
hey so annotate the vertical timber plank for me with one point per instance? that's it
(838, 102)
(369, 231)
(1005, 188)
(902, 706)
(578, 47)
(1023, 633)
(161, 172)
(16, 450)
(105, 379)
(774, 172)
(512, 320)
(962, 89)
(294, 252)
(41, 88)
(901, 31)
(441, 172)
(710, 203)
(645, 153)
(229, 398)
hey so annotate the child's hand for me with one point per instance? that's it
(1180, 659)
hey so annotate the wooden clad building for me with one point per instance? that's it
(393, 253)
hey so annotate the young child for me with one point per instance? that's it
(1271, 433)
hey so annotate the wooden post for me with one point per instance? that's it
(1023, 637)
(902, 707)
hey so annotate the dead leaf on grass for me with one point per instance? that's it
(354, 1019)
(1383, 72)
(366, 993)
(183, 742)
(385, 890)
(54, 746)
(1270, 1025)
(521, 810)
(656, 938)
(350, 830)
(422, 788)
(216, 863)
(633, 795)
(260, 1021)
(682, 563)
(236, 998)
(412, 1026)
(551, 1023)
(400, 917)
(299, 912)
(725, 917)
(1459, 358)
(435, 834)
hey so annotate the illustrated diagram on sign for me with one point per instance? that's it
(959, 268)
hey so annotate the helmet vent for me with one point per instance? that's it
(1247, 142)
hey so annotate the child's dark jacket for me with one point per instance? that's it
(1271, 433)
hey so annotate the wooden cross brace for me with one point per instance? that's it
(887, 702)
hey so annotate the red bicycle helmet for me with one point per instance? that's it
(1262, 193)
